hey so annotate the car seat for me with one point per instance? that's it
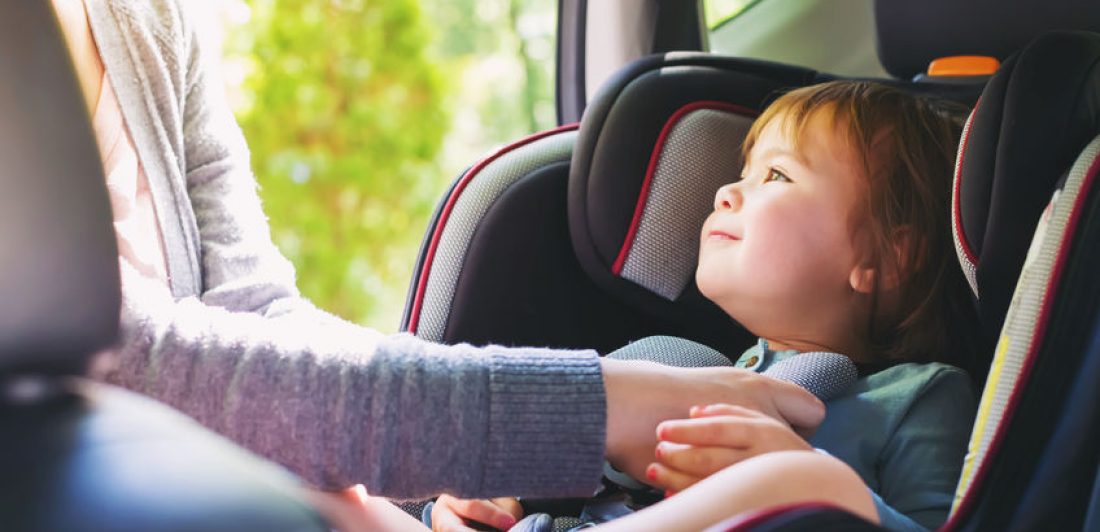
(76, 455)
(587, 236)
(547, 241)
(1028, 165)
(527, 249)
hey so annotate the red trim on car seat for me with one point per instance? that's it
(970, 499)
(752, 519)
(655, 157)
(425, 268)
(956, 196)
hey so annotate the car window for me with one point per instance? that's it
(718, 12)
(834, 36)
(359, 115)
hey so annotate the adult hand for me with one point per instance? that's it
(450, 514)
(642, 394)
(716, 437)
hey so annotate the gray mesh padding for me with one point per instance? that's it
(1022, 321)
(701, 153)
(969, 268)
(475, 200)
(671, 351)
(826, 375)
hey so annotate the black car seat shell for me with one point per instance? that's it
(1033, 119)
(1028, 166)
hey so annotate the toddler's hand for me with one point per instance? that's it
(716, 437)
(353, 510)
(450, 514)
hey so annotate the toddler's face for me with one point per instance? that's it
(779, 243)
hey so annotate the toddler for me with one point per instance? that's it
(835, 238)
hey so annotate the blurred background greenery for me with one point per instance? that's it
(359, 113)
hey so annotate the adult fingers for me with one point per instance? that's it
(722, 409)
(781, 400)
(796, 406)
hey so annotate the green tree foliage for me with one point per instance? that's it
(345, 118)
(503, 50)
(360, 112)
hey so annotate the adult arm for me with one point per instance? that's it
(339, 405)
(336, 403)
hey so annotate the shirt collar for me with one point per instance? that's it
(760, 357)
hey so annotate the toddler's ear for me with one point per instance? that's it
(892, 268)
(862, 279)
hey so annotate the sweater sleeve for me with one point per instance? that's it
(339, 405)
(334, 402)
(241, 267)
(920, 465)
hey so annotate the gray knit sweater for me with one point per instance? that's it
(235, 345)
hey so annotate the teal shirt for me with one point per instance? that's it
(904, 429)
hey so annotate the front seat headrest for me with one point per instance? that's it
(59, 286)
(912, 34)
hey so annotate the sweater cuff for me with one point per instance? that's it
(547, 420)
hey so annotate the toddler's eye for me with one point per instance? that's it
(776, 175)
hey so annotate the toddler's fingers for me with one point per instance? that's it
(444, 519)
(724, 409)
(485, 512)
(668, 479)
(455, 512)
(711, 431)
(697, 461)
(510, 505)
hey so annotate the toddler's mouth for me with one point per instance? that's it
(715, 234)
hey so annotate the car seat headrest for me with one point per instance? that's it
(59, 293)
(1031, 122)
(654, 146)
(912, 34)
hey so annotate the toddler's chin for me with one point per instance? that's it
(704, 283)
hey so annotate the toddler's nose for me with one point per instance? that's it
(728, 198)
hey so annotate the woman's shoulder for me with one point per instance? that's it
(165, 23)
(163, 15)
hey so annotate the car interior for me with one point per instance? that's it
(585, 236)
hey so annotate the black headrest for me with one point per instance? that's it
(654, 146)
(1032, 121)
(59, 294)
(912, 34)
